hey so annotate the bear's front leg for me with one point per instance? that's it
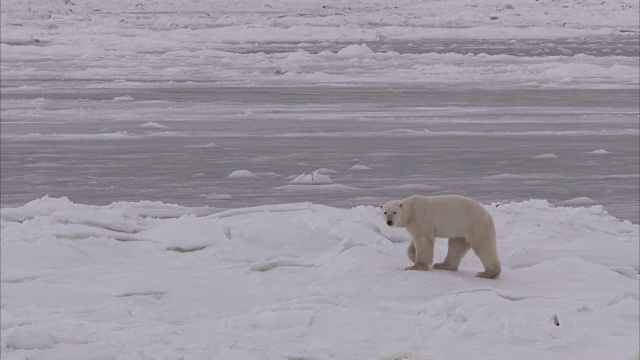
(424, 253)
(411, 252)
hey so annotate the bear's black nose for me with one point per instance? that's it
(389, 222)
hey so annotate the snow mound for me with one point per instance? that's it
(546, 156)
(27, 338)
(261, 276)
(290, 64)
(359, 167)
(600, 152)
(123, 98)
(298, 56)
(216, 196)
(356, 51)
(154, 125)
(268, 174)
(578, 201)
(242, 174)
(326, 171)
(315, 178)
(203, 146)
(329, 188)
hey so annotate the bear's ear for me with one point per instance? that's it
(400, 205)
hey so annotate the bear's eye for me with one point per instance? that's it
(394, 213)
(385, 213)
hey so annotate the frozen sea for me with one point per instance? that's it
(199, 180)
(86, 138)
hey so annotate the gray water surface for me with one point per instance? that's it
(476, 142)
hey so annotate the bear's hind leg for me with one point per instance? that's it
(458, 247)
(488, 254)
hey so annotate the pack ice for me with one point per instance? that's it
(148, 280)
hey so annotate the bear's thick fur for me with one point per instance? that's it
(465, 222)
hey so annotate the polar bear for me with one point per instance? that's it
(464, 221)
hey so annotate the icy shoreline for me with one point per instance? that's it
(147, 279)
(539, 44)
(236, 21)
(166, 99)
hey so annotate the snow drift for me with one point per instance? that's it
(153, 280)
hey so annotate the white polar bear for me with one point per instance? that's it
(464, 221)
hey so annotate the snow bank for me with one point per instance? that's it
(315, 178)
(546, 156)
(166, 283)
(123, 98)
(204, 146)
(360, 167)
(154, 125)
(355, 50)
(600, 152)
(191, 40)
(326, 171)
(580, 201)
(242, 174)
(216, 196)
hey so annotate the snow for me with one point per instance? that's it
(308, 188)
(583, 200)
(546, 156)
(354, 51)
(315, 178)
(123, 98)
(600, 152)
(204, 146)
(155, 280)
(437, 96)
(154, 125)
(326, 171)
(242, 174)
(359, 167)
(216, 196)
(173, 41)
(119, 135)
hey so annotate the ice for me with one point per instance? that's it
(326, 171)
(124, 98)
(311, 187)
(356, 51)
(119, 135)
(578, 201)
(27, 339)
(154, 125)
(135, 118)
(205, 146)
(315, 178)
(242, 174)
(546, 156)
(244, 282)
(216, 196)
(419, 188)
(360, 167)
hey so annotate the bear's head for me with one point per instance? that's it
(392, 213)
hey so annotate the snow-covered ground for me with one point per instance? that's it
(305, 281)
(242, 112)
